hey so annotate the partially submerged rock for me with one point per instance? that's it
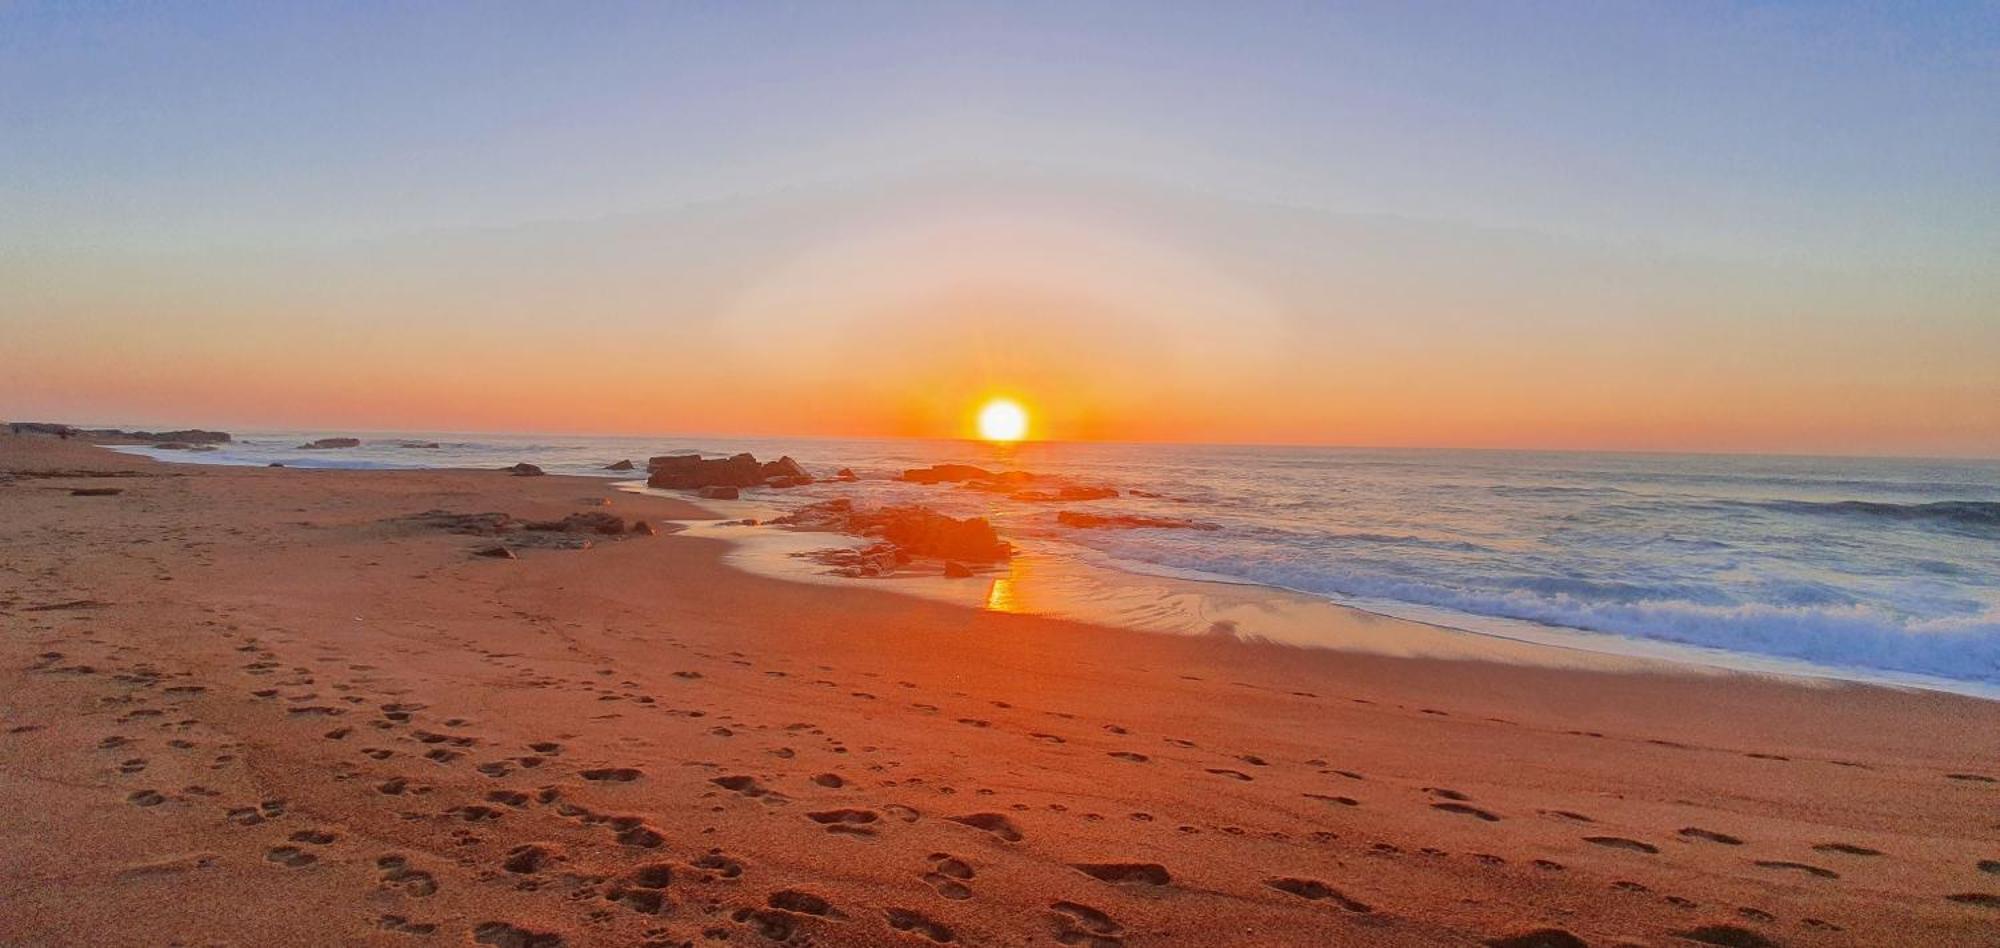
(643, 528)
(1089, 521)
(96, 491)
(917, 531)
(718, 493)
(524, 469)
(328, 444)
(624, 465)
(495, 552)
(954, 569)
(1068, 492)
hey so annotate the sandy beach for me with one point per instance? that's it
(257, 706)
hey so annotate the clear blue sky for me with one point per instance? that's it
(1799, 138)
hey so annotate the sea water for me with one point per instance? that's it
(1877, 567)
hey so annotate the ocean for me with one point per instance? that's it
(1877, 569)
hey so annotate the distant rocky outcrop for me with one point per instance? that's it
(909, 530)
(694, 472)
(1088, 521)
(183, 436)
(625, 465)
(328, 444)
(845, 474)
(418, 444)
(524, 469)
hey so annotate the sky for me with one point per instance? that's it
(1634, 226)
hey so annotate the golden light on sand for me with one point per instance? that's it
(1003, 419)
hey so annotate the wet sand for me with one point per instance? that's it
(253, 706)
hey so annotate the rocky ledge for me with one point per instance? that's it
(906, 533)
(1014, 484)
(573, 532)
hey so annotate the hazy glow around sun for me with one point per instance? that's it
(1003, 420)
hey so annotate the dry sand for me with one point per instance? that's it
(248, 706)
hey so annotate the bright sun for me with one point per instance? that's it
(1003, 420)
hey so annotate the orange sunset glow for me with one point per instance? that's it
(893, 474)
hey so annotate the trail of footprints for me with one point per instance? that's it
(786, 913)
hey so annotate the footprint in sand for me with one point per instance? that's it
(1981, 899)
(948, 876)
(1324, 798)
(1620, 842)
(1231, 774)
(1466, 810)
(721, 865)
(612, 774)
(1133, 873)
(145, 798)
(1317, 891)
(530, 858)
(1696, 832)
(850, 821)
(995, 823)
(916, 923)
(1846, 849)
(1798, 867)
(1080, 924)
(291, 857)
(1130, 756)
(396, 872)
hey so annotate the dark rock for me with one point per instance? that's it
(592, 522)
(953, 569)
(327, 444)
(845, 474)
(492, 523)
(624, 465)
(173, 446)
(417, 444)
(496, 552)
(693, 472)
(524, 469)
(275, 464)
(1087, 521)
(718, 493)
(96, 491)
(643, 528)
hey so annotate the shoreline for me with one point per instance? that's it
(279, 712)
(1100, 584)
